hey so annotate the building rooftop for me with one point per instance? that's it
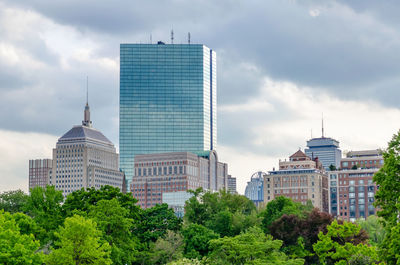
(322, 142)
(364, 153)
(81, 132)
(299, 156)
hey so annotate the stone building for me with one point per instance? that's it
(84, 158)
(301, 179)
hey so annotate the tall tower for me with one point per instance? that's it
(168, 100)
(84, 158)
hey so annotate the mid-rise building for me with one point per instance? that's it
(326, 150)
(352, 189)
(168, 100)
(167, 173)
(255, 188)
(232, 184)
(84, 158)
(301, 179)
(39, 170)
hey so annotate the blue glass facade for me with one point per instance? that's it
(168, 96)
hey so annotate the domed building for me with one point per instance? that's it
(84, 158)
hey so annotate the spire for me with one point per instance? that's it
(86, 115)
(322, 125)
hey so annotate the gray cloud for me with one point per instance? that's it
(349, 49)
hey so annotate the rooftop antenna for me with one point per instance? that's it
(189, 37)
(87, 90)
(322, 125)
(151, 39)
(311, 133)
(172, 36)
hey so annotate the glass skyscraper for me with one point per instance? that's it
(168, 98)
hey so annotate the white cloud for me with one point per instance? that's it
(357, 125)
(314, 12)
(15, 151)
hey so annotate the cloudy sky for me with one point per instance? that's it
(281, 64)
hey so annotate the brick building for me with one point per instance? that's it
(39, 170)
(352, 189)
(156, 174)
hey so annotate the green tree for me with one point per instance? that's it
(185, 261)
(387, 199)
(280, 206)
(299, 234)
(156, 221)
(112, 219)
(341, 243)
(44, 206)
(223, 212)
(13, 201)
(16, 247)
(251, 247)
(373, 225)
(332, 167)
(79, 243)
(81, 200)
(196, 241)
(167, 249)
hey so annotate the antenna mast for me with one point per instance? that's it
(151, 39)
(188, 37)
(172, 36)
(87, 90)
(322, 125)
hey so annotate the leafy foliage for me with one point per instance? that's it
(387, 198)
(13, 201)
(374, 227)
(156, 221)
(196, 240)
(341, 243)
(299, 234)
(81, 200)
(16, 247)
(225, 213)
(280, 206)
(44, 206)
(79, 243)
(112, 219)
(251, 247)
(167, 249)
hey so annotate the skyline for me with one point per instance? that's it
(281, 73)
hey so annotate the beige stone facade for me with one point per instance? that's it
(84, 158)
(300, 179)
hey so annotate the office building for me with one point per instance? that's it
(301, 179)
(168, 95)
(255, 188)
(352, 189)
(85, 158)
(326, 150)
(232, 185)
(158, 174)
(39, 170)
